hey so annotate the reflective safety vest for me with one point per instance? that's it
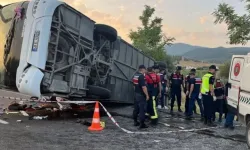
(205, 83)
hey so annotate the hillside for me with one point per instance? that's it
(206, 54)
(215, 55)
(179, 49)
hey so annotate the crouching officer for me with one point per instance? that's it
(219, 103)
(208, 96)
(154, 88)
(176, 81)
(141, 97)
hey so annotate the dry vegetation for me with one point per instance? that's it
(194, 64)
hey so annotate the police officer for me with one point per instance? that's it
(141, 97)
(176, 81)
(208, 96)
(186, 90)
(194, 87)
(163, 80)
(229, 123)
(219, 103)
(154, 88)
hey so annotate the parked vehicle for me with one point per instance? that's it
(49, 48)
(239, 90)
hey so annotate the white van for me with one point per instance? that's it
(239, 90)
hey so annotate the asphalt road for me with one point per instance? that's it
(173, 133)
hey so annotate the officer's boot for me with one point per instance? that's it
(171, 111)
(143, 125)
(205, 121)
(136, 123)
(211, 124)
(220, 118)
(202, 118)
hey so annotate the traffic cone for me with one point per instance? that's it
(96, 125)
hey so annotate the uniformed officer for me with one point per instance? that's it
(208, 96)
(229, 123)
(194, 87)
(154, 88)
(141, 97)
(177, 84)
(186, 90)
(163, 80)
(219, 103)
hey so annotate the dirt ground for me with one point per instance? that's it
(173, 132)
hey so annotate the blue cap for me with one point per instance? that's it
(142, 67)
(213, 67)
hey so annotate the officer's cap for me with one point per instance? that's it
(193, 70)
(213, 67)
(150, 69)
(156, 66)
(142, 67)
(178, 68)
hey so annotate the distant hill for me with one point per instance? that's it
(178, 49)
(215, 55)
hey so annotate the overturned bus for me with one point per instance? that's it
(49, 48)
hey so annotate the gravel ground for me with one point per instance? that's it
(67, 134)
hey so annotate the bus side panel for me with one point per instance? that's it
(126, 61)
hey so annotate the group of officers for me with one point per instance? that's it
(150, 85)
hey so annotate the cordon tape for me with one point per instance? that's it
(106, 111)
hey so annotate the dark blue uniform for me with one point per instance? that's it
(187, 78)
(163, 87)
(140, 98)
(176, 83)
(195, 96)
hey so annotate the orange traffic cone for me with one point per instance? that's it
(96, 125)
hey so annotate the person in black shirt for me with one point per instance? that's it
(208, 96)
(194, 90)
(141, 97)
(220, 99)
(187, 90)
(177, 83)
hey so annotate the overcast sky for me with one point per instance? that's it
(189, 21)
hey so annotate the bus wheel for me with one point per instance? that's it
(248, 134)
(109, 32)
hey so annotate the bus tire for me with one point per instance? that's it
(101, 92)
(248, 134)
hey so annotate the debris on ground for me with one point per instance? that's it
(83, 122)
(38, 118)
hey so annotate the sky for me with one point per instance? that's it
(188, 21)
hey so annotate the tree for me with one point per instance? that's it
(238, 25)
(150, 38)
(224, 70)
